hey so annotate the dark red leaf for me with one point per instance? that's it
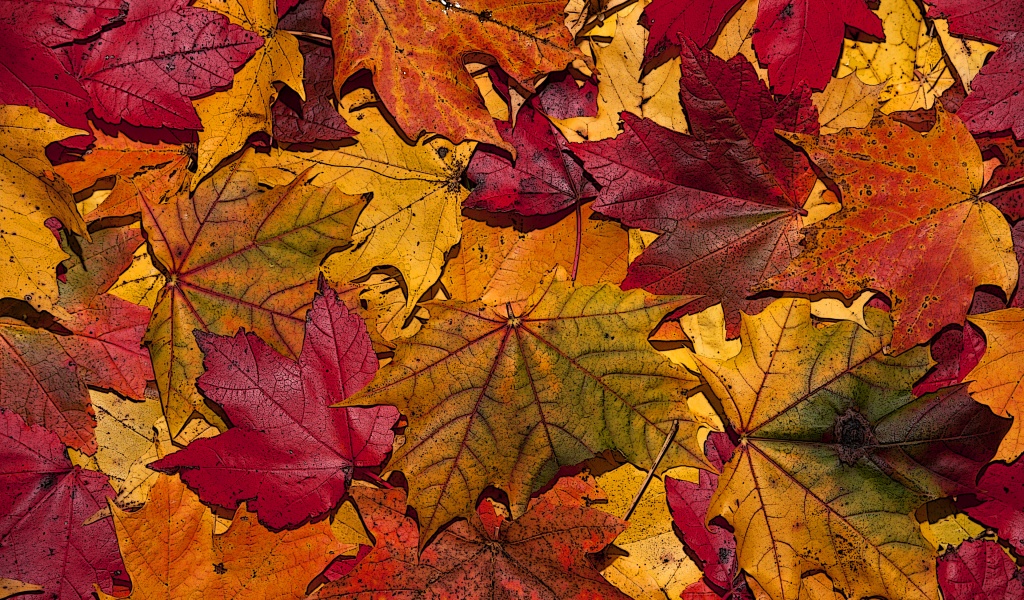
(979, 570)
(726, 198)
(1011, 155)
(319, 119)
(544, 178)
(289, 454)
(688, 502)
(798, 40)
(542, 554)
(45, 503)
(957, 351)
(995, 103)
(1001, 502)
(32, 75)
(696, 20)
(54, 23)
(562, 98)
(146, 70)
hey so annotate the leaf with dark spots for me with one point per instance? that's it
(542, 554)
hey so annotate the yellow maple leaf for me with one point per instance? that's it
(231, 116)
(622, 86)
(30, 193)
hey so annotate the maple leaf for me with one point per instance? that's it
(412, 220)
(171, 551)
(501, 263)
(562, 98)
(97, 342)
(544, 383)
(828, 424)
(799, 41)
(31, 74)
(727, 199)
(979, 569)
(688, 503)
(235, 254)
(997, 503)
(1011, 168)
(956, 352)
(317, 118)
(288, 453)
(545, 178)
(145, 70)
(994, 103)
(846, 102)
(657, 564)
(417, 49)
(543, 553)
(910, 63)
(995, 381)
(625, 86)
(230, 117)
(44, 538)
(30, 193)
(119, 156)
(912, 226)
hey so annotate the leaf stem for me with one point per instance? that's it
(650, 474)
(1012, 184)
(579, 240)
(308, 35)
(378, 480)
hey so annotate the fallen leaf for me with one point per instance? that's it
(799, 42)
(997, 503)
(979, 569)
(846, 102)
(503, 259)
(30, 193)
(996, 380)
(416, 51)
(230, 117)
(543, 553)
(171, 551)
(688, 504)
(46, 503)
(956, 351)
(545, 178)
(729, 213)
(657, 566)
(909, 62)
(412, 220)
(624, 88)
(318, 118)
(13, 587)
(895, 206)
(96, 342)
(827, 423)
(236, 254)
(288, 454)
(563, 376)
(967, 56)
(993, 105)
(118, 156)
(187, 52)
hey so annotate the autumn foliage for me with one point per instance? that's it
(531, 299)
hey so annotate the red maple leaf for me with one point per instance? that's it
(798, 40)
(289, 454)
(545, 178)
(146, 70)
(46, 502)
(995, 102)
(726, 198)
(542, 554)
(979, 569)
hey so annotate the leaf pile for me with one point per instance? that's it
(560, 299)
